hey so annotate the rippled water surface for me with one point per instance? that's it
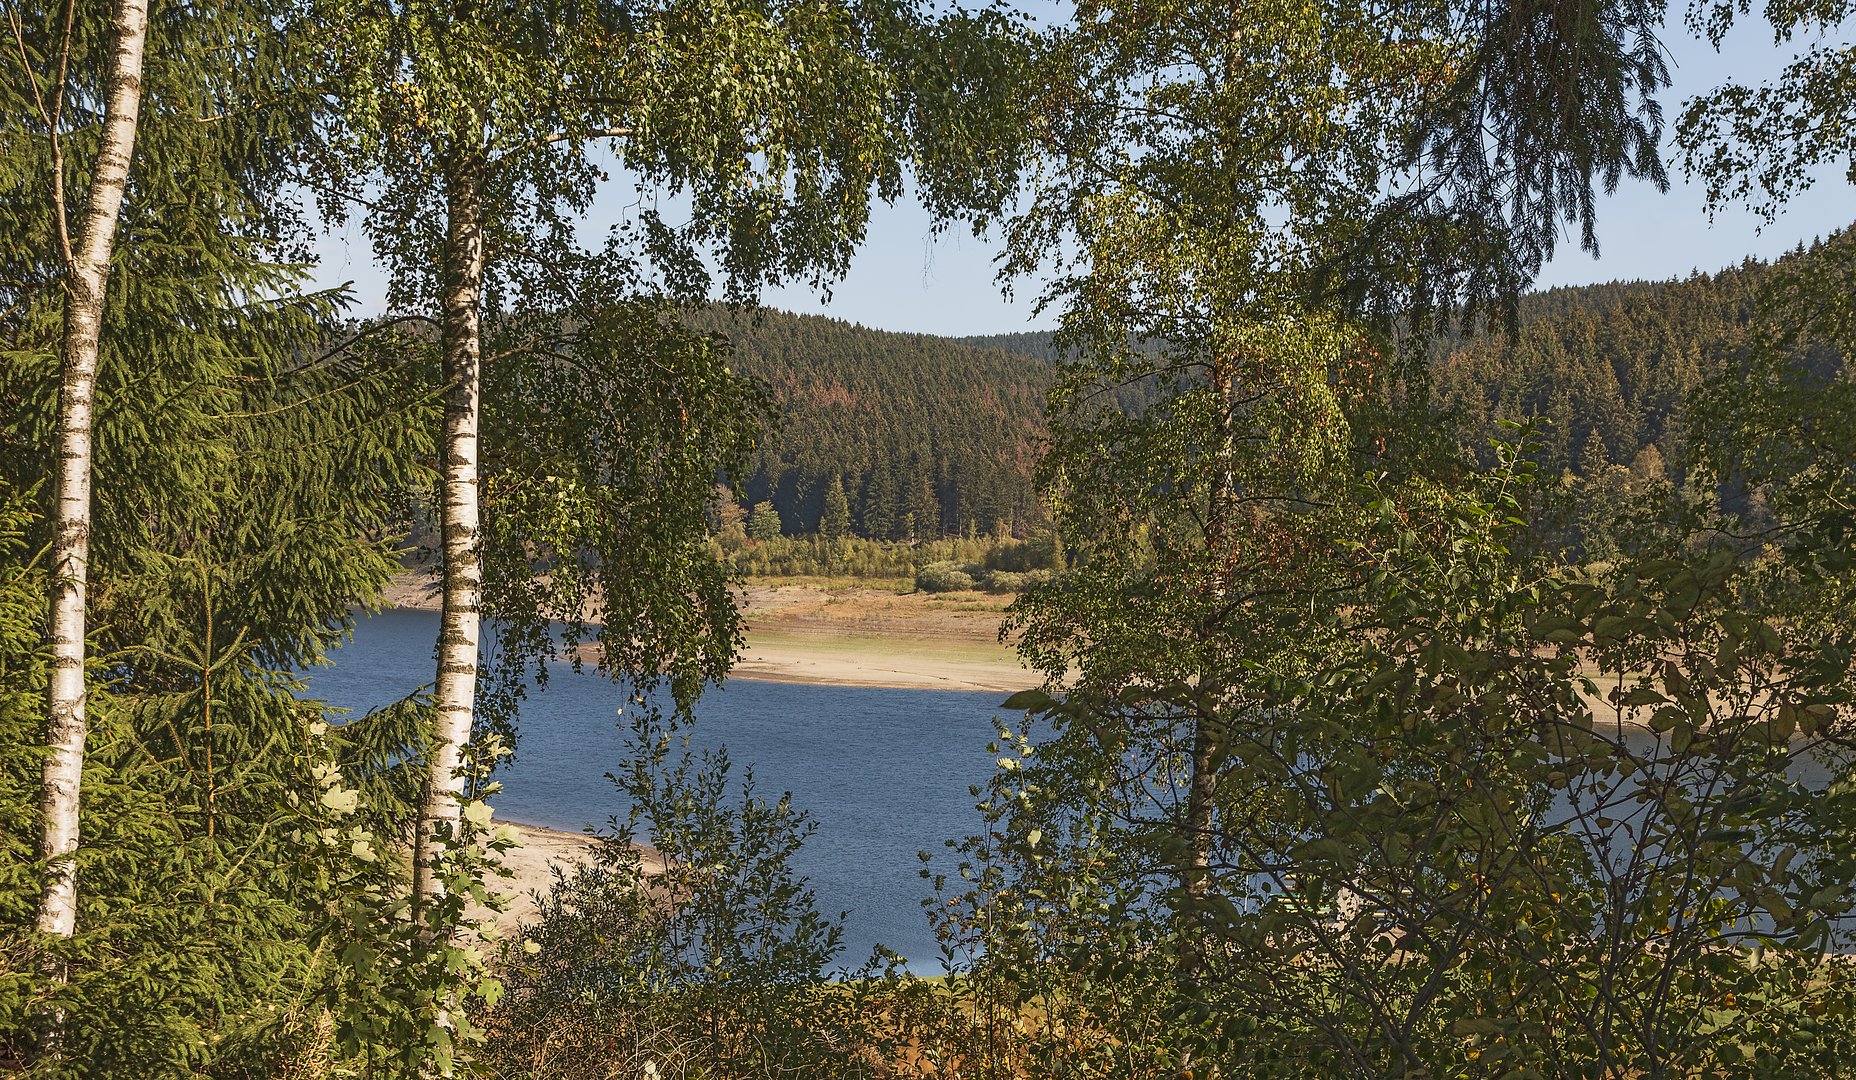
(884, 772)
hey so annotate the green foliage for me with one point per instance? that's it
(1763, 144)
(1320, 771)
(605, 422)
(402, 994)
(22, 689)
(703, 954)
(764, 522)
(945, 576)
(603, 453)
(1618, 361)
(1358, 756)
(1779, 440)
(1514, 787)
(253, 462)
(242, 907)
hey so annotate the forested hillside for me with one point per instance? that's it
(937, 436)
(1035, 343)
(1608, 367)
(929, 436)
(1613, 360)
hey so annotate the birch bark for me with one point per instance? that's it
(86, 277)
(461, 339)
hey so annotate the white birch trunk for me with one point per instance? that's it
(459, 625)
(85, 280)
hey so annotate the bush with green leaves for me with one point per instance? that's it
(1007, 581)
(938, 577)
(704, 955)
(1528, 823)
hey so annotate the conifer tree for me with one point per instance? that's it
(835, 524)
(249, 459)
(764, 522)
(1595, 457)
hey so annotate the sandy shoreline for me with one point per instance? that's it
(851, 636)
(854, 635)
(532, 867)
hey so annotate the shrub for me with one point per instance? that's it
(1007, 581)
(938, 577)
(714, 962)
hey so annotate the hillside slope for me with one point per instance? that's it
(938, 436)
(930, 437)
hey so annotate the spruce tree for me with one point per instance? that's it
(250, 457)
(1595, 457)
(835, 525)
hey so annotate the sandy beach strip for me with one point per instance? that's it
(850, 637)
(878, 662)
(532, 867)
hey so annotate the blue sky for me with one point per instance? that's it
(906, 278)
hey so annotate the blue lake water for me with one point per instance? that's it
(884, 772)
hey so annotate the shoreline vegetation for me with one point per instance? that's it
(531, 867)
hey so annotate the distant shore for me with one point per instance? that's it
(851, 635)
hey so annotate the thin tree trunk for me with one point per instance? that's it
(1200, 824)
(459, 625)
(1202, 779)
(86, 277)
(1202, 788)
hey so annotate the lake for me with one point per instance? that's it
(885, 773)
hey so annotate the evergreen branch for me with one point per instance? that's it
(358, 337)
(51, 118)
(60, 213)
(25, 64)
(297, 404)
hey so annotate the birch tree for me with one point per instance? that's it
(1762, 145)
(477, 125)
(86, 251)
(248, 459)
(1241, 204)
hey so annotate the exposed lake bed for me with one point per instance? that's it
(845, 632)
